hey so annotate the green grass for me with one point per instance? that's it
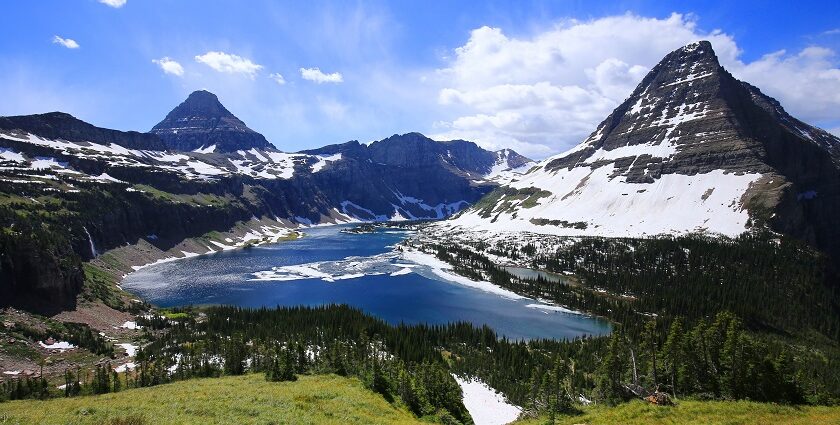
(249, 399)
(101, 284)
(701, 412)
(202, 199)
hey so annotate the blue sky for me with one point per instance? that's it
(536, 76)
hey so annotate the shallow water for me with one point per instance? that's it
(362, 270)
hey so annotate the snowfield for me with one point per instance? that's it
(486, 406)
(673, 204)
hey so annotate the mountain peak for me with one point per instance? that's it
(204, 101)
(686, 90)
(201, 121)
(691, 150)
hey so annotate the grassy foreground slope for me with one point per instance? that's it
(700, 413)
(248, 399)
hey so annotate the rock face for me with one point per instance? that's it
(692, 149)
(202, 123)
(55, 125)
(409, 176)
(416, 150)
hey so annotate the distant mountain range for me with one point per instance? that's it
(202, 170)
(691, 150)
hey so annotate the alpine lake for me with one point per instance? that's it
(363, 270)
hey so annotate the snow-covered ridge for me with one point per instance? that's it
(201, 164)
(505, 168)
(587, 201)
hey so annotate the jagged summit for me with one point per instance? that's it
(201, 122)
(413, 149)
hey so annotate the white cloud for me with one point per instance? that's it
(806, 83)
(66, 42)
(113, 3)
(315, 74)
(169, 66)
(230, 64)
(547, 91)
(278, 78)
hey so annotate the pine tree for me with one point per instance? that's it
(289, 366)
(672, 353)
(650, 341)
(733, 362)
(609, 374)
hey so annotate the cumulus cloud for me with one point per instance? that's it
(278, 78)
(547, 91)
(114, 3)
(807, 83)
(66, 42)
(229, 64)
(169, 66)
(316, 75)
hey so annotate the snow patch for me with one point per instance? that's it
(130, 349)
(441, 269)
(486, 405)
(130, 325)
(60, 345)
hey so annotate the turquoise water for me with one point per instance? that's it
(362, 270)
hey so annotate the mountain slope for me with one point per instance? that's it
(691, 150)
(202, 123)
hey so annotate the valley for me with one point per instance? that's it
(684, 252)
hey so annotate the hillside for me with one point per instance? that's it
(248, 399)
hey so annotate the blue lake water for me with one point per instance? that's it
(362, 270)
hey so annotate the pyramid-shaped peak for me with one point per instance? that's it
(692, 52)
(202, 97)
(690, 61)
(202, 102)
(201, 122)
(702, 46)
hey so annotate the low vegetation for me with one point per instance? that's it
(323, 399)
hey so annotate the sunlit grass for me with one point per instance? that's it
(323, 399)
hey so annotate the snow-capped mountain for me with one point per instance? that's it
(203, 124)
(691, 150)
